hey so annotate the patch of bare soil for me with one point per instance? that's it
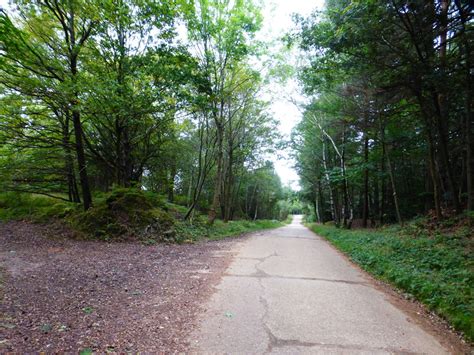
(63, 295)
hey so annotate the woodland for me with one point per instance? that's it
(387, 133)
(385, 146)
(145, 121)
(164, 96)
(160, 97)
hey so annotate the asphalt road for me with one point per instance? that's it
(288, 291)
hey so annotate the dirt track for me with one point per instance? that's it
(64, 295)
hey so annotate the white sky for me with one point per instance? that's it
(277, 21)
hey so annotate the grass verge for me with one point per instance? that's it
(220, 230)
(435, 266)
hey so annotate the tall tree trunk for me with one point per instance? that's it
(203, 166)
(466, 51)
(321, 201)
(347, 203)
(254, 199)
(256, 211)
(440, 104)
(73, 191)
(171, 178)
(376, 199)
(442, 128)
(434, 176)
(76, 115)
(383, 188)
(190, 187)
(316, 205)
(218, 180)
(230, 180)
(81, 158)
(365, 211)
(328, 181)
(394, 190)
(431, 155)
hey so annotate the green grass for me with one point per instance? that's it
(199, 229)
(19, 206)
(222, 230)
(435, 266)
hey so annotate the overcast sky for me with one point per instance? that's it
(277, 21)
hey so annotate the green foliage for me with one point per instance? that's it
(126, 214)
(288, 207)
(371, 126)
(18, 206)
(200, 229)
(153, 110)
(437, 268)
(88, 310)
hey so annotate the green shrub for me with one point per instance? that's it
(177, 211)
(18, 206)
(126, 214)
(181, 200)
(200, 229)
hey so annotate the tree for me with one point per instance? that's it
(47, 46)
(221, 31)
(397, 67)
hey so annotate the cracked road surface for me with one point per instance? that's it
(288, 291)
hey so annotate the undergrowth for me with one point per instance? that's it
(125, 214)
(434, 264)
(38, 208)
(200, 229)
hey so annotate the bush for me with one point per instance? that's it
(181, 200)
(126, 214)
(18, 206)
(199, 228)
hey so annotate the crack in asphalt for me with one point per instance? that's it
(261, 260)
(260, 274)
(275, 342)
(289, 237)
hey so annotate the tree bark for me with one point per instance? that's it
(218, 180)
(365, 211)
(73, 191)
(76, 115)
(328, 181)
(466, 51)
(81, 158)
(394, 190)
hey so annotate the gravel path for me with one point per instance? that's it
(62, 295)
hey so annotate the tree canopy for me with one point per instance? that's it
(155, 94)
(387, 133)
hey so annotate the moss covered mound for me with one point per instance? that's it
(126, 214)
